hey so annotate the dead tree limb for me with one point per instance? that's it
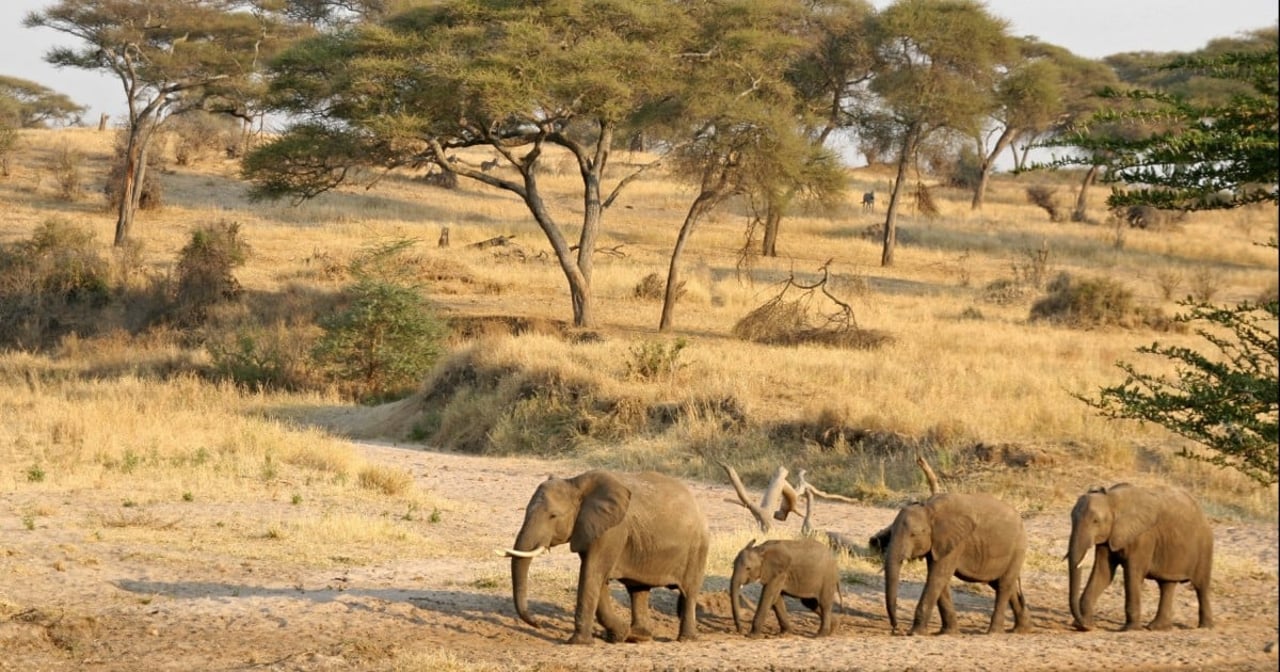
(934, 487)
(761, 519)
(496, 241)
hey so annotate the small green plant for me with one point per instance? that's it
(188, 497)
(435, 516)
(67, 173)
(29, 521)
(296, 499)
(654, 360)
(204, 271)
(35, 474)
(128, 504)
(387, 337)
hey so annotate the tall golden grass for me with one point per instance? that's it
(961, 370)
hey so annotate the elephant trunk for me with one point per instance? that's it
(735, 597)
(1075, 557)
(519, 588)
(520, 574)
(893, 560)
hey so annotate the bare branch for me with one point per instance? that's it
(761, 519)
(934, 486)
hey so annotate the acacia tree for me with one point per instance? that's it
(827, 79)
(1027, 97)
(26, 104)
(170, 56)
(517, 78)
(936, 69)
(1229, 402)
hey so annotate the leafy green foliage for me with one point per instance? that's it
(1177, 153)
(387, 337)
(26, 104)
(1230, 403)
(656, 360)
(204, 271)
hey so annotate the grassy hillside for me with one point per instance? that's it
(965, 376)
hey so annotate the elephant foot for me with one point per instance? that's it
(1205, 623)
(756, 634)
(1159, 625)
(1083, 627)
(687, 637)
(639, 634)
(581, 639)
(1130, 627)
(1023, 628)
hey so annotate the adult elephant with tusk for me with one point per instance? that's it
(645, 530)
(1155, 533)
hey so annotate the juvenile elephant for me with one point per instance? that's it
(645, 530)
(975, 537)
(1155, 533)
(801, 568)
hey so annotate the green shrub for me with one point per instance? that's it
(204, 276)
(52, 284)
(259, 358)
(654, 360)
(1095, 302)
(384, 336)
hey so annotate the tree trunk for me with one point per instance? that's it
(135, 169)
(577, 268)
(895, 195)
(1082, 199)
(1006, 139)
(772, 222)
(702, 204)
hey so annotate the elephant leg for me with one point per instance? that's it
(591, 588)
(936, 584)
(826, 615)
(1104, 570)
(770, 601)
(1021, 615)
(1004, 595)
(1133, 577)
(615, 626)
(1164, 613)
(641, 626)
(947, 611)
(687, 605)
(1202, 596)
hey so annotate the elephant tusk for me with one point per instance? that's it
(512, 553)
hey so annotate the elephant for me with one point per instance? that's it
(1155, 533)
(646, 530)
(975, 537)
(801, 568)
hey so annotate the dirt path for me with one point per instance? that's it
(69, 603)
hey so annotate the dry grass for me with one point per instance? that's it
(120, 411)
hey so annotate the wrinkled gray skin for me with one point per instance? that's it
(801, 568)
(1153, 533)
(974, 537)
(645, 530)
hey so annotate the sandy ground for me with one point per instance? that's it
(70, 602)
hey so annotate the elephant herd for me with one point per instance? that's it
(646, 530)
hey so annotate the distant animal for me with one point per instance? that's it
(489, 165)
(868, 201)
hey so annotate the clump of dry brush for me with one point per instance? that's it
(801, 313)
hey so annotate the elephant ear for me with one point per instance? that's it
(950, 530)
(774, 564)
(604, 504)
(1135, 511)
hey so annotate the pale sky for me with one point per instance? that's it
(1090, 28)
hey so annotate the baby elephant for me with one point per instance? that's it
(801, 568)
